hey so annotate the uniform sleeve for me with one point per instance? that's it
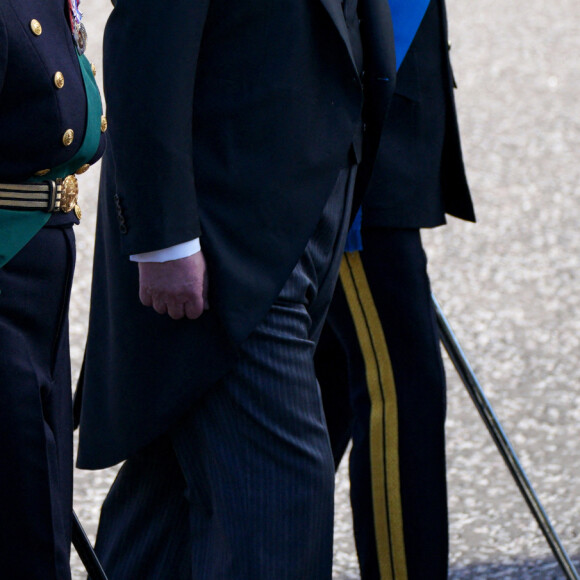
(150, 67)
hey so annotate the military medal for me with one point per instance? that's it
(79, 32)
(80, 36)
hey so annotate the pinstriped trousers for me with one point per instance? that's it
(242, 488)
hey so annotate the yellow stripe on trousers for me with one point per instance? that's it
(384, 434)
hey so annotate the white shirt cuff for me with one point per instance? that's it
(177, 252)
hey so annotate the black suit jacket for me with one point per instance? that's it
(228, 121)
(419, 174)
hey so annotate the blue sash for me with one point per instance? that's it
(407, 16)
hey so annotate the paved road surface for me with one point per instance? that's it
(510, 287)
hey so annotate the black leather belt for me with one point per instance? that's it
(50, 196)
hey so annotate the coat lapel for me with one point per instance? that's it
(334, 9)
(379, 81)
(379, 58)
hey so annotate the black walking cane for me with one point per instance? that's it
(85, 551)
(494, 427)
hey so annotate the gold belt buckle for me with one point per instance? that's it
(70, 195)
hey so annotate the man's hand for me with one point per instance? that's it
(177, 287)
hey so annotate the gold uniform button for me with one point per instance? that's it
(35, 27)
(94, 69)
(68, 137)
(58, 80)
(82, 169)
(104, 124)
(42, 172)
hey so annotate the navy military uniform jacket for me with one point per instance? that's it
(43, 104)
(234, 131)
(419, 175)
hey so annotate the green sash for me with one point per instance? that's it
(17, 228)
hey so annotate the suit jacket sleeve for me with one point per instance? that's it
(151, 49)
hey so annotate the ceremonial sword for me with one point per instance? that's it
(85, 551)
(497, 433)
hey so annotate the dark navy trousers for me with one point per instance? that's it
(382, 380)
(243, 487)
(35, 410)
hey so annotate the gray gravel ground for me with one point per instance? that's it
(510, 287)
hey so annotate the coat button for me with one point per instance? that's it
(68, 137)
(104, 124)
(35, 27)
(82, 169)
(58, 80)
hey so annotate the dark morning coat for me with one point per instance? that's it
(419, 175)
(229, 121)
